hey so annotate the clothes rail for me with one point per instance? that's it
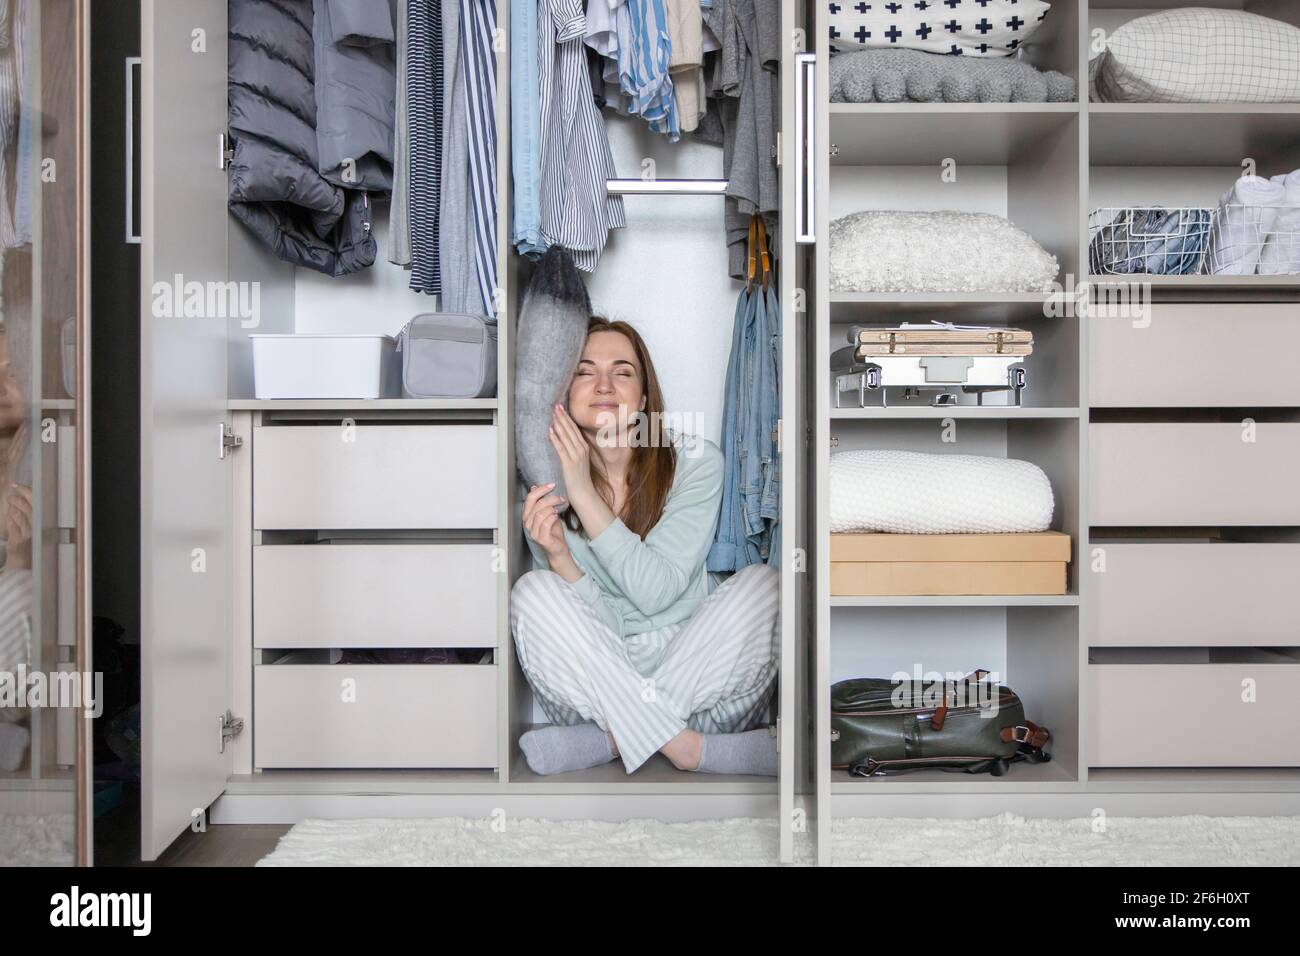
(679, 187)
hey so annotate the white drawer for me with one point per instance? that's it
(401, 716)
(1196, 355)
(1193, 715)
(374, 595)
(1194, 473)
(1201, 594)
(375, 476)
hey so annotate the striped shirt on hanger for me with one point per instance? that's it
(478, 21)
(424, 112)
(577, 210)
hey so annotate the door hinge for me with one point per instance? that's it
(776, 732)
(231, 726)
(228, 439)
(226, 152)
(835, 442)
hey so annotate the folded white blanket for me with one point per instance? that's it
(914, 493)
(1246, 215)
(1281, 253)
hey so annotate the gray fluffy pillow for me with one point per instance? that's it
(552, 331)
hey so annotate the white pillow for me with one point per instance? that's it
(909, 492)
(1201, 56)
(962, 27)
(936, 252)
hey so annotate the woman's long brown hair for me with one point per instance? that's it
(653, 464)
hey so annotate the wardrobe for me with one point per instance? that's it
(272, 529)
(1180, 599)
(279, 537)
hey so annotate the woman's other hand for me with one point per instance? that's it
(542, 521)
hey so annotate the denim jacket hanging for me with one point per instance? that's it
(748, 527)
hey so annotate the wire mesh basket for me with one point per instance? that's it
(1149, 241)
(1234, 239)
(1254, 240)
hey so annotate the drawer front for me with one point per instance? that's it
(1197, 473)
(1193, 715)
(400, 716)
(382, 595)
(382, 477)
(1196, 355)
(1197, 594)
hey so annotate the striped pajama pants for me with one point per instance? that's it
(713, 672)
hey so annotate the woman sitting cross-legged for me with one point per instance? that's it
(627, 643)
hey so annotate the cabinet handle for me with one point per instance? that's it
(132, 230)
(805, 152)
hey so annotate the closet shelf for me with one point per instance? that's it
(950, 109)
(374, 404)
(1195, 779)
(1209, 282)
(1192, 134)
(1021, 777)
(938, 298)
(1195, 109)
(954, 411)
(958, 600)
(655, 776)
(976, 134)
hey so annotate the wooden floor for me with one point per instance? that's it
(117, 842)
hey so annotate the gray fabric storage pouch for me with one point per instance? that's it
(448, 355)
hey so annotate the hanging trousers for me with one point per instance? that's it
(713, 672)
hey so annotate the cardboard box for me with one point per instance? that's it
(925, 564)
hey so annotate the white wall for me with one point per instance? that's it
(375, 300)
(666, 273)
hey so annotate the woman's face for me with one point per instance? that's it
(607, 387)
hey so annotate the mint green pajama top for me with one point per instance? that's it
(645, 590)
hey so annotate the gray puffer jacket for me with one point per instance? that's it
(276, 188)
(356, 92)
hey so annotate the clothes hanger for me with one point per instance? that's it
(763, 252)
(753, 261)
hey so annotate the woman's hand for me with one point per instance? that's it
(574, 453)
(543, 524)
(18, 527)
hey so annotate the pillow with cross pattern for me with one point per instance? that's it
(954, 27)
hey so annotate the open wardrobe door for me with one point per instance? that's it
(794, 283)
(185, 472)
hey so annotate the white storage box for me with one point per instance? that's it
(320, 366)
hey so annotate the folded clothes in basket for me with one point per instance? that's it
(1149, 241)
(1247, 215)
(1281, 252)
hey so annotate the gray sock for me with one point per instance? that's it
(559, 749)
(751, 752)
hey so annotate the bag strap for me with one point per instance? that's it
(1028, 733)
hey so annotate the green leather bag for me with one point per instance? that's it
(881, 727)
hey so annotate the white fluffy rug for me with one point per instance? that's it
(1005, 840)
(37, 840)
